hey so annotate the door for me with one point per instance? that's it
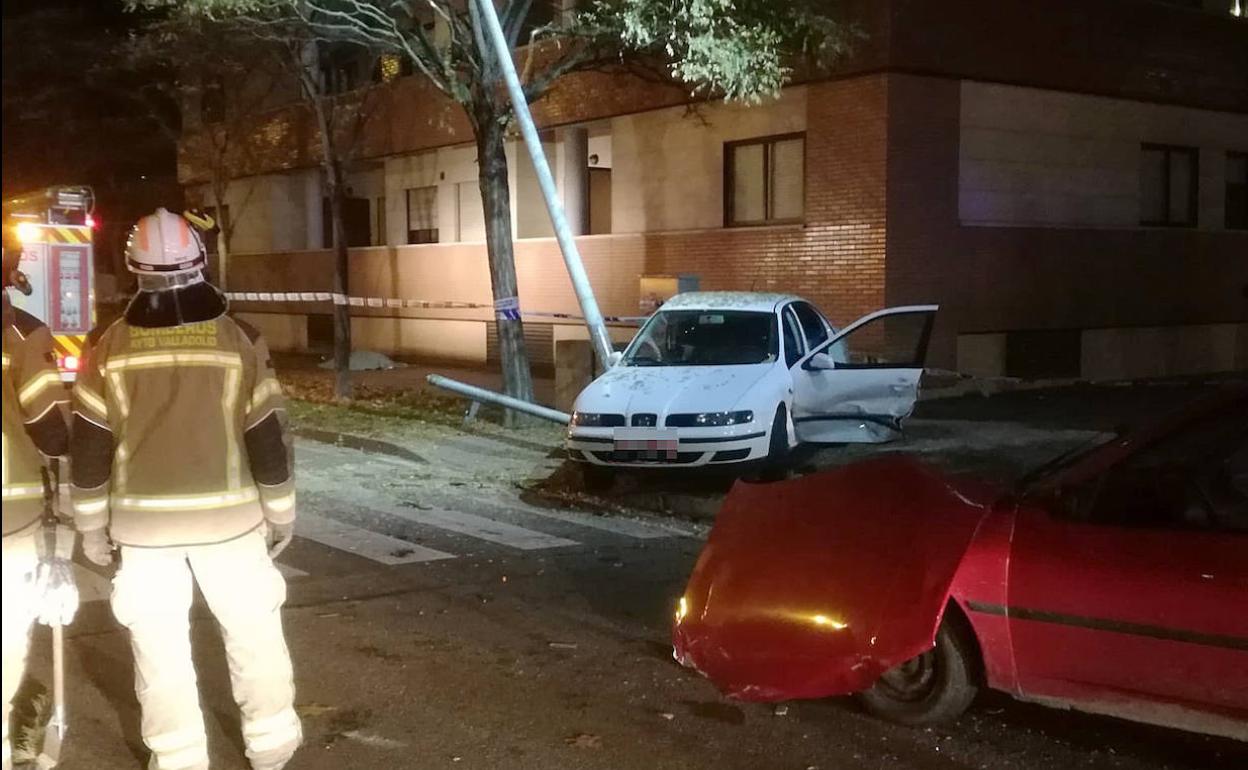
(862, 382)
(1130, 586)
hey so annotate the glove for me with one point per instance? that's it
(279, 536)
(97, 547)
(57, 592)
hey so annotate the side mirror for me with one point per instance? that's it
(820, 362)
(615, 357)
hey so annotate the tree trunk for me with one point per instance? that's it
(496, 202)
(342, 312)
(225, 230)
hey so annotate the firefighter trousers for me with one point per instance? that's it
(18, 607)
(152, 596)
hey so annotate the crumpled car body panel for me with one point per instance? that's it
(814, 587)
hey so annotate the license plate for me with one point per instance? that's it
(649, 443)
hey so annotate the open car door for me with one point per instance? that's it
(859, 385)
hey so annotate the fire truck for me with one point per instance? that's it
(55, 227)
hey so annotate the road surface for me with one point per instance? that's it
(439, 621)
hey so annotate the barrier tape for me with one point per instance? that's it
(396, 304)
(508, 307)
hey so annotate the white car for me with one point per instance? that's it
(729, 377)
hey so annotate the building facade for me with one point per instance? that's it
(1071, 186)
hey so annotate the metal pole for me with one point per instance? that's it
(489, 396)
(598, 335)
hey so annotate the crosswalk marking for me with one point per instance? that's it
(363, 542)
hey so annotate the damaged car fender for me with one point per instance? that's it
(816, 586)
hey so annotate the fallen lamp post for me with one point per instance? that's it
(481, 395)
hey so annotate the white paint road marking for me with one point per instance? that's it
(289, 572)
(363, 542)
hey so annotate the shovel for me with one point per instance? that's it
(54, 735)
(63, 547)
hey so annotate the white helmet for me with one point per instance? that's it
(164, 243)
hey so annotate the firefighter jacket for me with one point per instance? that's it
(179, 434)
(34, 417)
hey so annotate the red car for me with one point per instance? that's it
(1113, 580)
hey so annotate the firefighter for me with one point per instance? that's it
(35, 430)
(180, 461)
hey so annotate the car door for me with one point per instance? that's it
(1131, 585)
(862, 382)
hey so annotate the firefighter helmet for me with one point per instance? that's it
(164, 243)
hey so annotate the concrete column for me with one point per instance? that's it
(574, 177)
(313, 194)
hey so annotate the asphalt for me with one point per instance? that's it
(439, 618)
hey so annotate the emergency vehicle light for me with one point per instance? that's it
(27, 232)
(67, 363)
(89, 221)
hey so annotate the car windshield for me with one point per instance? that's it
(704, 338)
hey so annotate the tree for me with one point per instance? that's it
(179, 65)
(738, 49)
(278, 48)
(305, 56)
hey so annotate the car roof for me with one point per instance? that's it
(728, 300)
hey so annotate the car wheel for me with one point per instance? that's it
(933, 687)
(597, 478)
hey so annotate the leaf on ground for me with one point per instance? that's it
(314, 710)
(584, 741)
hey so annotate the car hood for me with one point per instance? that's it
(814, 587)
(670, 389)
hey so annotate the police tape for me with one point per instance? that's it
(506, 308)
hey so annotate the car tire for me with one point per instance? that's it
(597, 478)
(936, 686)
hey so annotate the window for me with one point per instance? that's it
(382, 237)
(1237, 191)
(793, 349)
(704, 338)
(1168, 177)
(812, 324)
(764, 180)
(422, 215)
(1194, 478)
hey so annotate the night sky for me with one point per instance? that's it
(71, 115)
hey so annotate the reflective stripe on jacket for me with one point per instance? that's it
(34, 417)
(179, 435)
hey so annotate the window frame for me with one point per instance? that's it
(1193, 194)
(729, 166)
(789, 320)
(823, 322)
(407, 215)
(1226, 184)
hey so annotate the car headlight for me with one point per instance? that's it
(710, 419)
(596, 420)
